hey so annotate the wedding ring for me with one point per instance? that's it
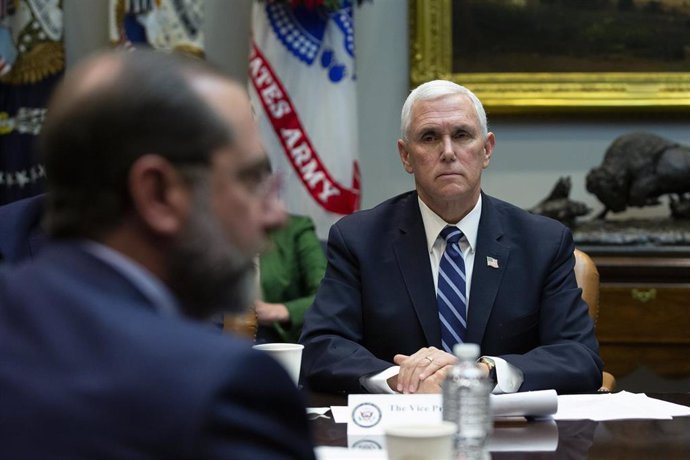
(431, 360)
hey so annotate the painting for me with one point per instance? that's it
(557, 55)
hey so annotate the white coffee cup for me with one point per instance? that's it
(289, 355)
(428, 441)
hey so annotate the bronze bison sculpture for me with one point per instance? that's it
(637, 169)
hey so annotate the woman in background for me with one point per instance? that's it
(290, 273)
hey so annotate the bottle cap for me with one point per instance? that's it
(466, 351)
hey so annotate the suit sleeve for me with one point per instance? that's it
(567, 357)
(257, 413)
(334, 358)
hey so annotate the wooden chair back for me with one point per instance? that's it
(587, 277)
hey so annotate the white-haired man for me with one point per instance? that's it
(443, 264)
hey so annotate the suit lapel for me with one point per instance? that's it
(413, 259)
(486, 277)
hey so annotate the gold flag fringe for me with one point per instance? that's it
(43, 60)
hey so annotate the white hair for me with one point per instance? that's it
(435, 89)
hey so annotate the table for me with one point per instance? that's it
(584, 439)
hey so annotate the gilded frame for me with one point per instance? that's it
(431, 28)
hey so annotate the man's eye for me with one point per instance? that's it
(460, 135)
(428, 138)
(253, 179)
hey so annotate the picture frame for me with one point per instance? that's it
(432, 27)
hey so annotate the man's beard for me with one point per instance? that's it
(209, 274)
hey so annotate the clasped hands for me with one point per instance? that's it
(424, 371)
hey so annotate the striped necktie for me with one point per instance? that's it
(450, 294)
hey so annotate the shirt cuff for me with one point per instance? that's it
(377, 383)
(508, 377)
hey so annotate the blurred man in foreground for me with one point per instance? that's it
(159, 197)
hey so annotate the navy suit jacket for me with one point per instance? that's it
(89, 369)
(20, 232)
(377, 299)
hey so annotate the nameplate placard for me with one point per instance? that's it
(370, 414)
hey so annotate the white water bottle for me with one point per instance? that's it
(466, 399)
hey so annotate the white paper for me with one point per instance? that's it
(317, 412)
(616, 406)
(340, 414)
(541, 403)
(675, 410)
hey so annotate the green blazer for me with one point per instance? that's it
(291, 271)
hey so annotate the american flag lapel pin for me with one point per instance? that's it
(491, 262)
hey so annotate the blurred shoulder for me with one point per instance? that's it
(31, 206)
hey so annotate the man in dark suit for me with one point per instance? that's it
(378, 307)
(159, 197)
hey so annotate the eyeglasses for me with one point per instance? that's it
(257, 179)
(261, 182)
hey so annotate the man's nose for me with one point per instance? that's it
(447, 152)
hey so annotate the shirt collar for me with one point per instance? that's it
(150, 286)
(433, 224)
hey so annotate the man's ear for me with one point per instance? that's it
(160, 196)
(488, 149)
(404, 156)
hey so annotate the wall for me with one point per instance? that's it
(530, 155)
